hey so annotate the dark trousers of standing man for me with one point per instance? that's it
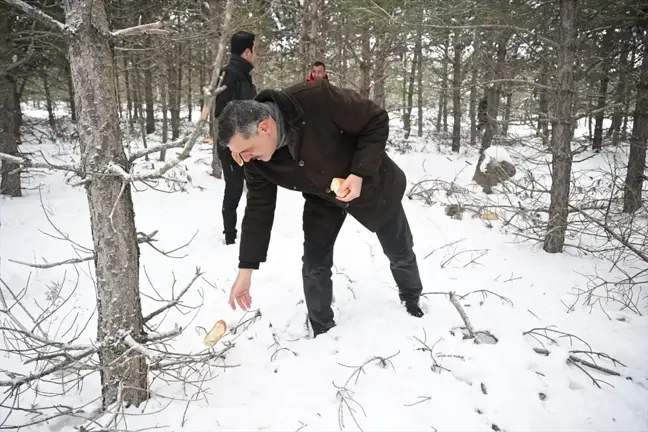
(322, 222)
(234, 179)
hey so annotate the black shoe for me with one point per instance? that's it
(322, 330)
(414, 309)
(230, 239)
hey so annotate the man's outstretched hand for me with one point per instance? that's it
(350, 188)
(240, 292)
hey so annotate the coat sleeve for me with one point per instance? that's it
(258, 218)
(367, 121)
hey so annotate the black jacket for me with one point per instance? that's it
(332, 132)
(238, 83)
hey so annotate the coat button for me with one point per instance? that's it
(301, 163)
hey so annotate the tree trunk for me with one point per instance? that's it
(189, 71)
(473, 88)
(48, 98)
(494, 93)
(407, 117)
(10, 183)
(608, 41)
(456, 92)
(507, 113)
(442, 114)
(123, 371)
(129, 96)
(635, 175)
(617, 117)
(419, 83)
(148, 94)
(365, 64)
(626, 107)
(71, 94)
(543, 106)
(312, 37)
(561, 163)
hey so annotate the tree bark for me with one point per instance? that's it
(442, 114)
(635, 175)
(456, 92)
(608, 41)
(407, 117)
(494, 93)
(123, 372)
(48, 98)
(561, 163)
(617, 116)
(10, 183)
(473, 88)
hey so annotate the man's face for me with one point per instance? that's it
(258, 147)
(318, 72)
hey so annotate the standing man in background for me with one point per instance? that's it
(318, 72)
(239, 86)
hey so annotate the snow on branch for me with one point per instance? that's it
(28, 163)
(143, 29)
(39, 16)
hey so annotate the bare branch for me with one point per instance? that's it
(39, 16)
(144, 29)
(176, 300)
(28, 163)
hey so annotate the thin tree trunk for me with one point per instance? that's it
(189, 71)
(561, 163)
(123, 371)
(407, 118)
(165, 118)
(456, 92)
(626, 107)
(129, 96)
(543, 106)
(442, 112)
(635, 175)
(148, 94)
(494, 93)
(71, 93)
(365, 64)
(473, 88)
(608, 41)
(201, 78)
(507, 112)
(48, 98)
(117, 86)
(419, 82)
(617, 117)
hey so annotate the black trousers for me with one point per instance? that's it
(322, 222)
(234, 179)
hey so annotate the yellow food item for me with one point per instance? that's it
(237, 158)
(216, 333)
(336, 183)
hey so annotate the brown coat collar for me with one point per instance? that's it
(292, 113)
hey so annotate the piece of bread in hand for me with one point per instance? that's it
(336, 183)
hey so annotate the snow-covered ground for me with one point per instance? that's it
(283, 380)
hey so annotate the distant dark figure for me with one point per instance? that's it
(482, 113)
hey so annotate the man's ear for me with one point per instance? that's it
(264, 126)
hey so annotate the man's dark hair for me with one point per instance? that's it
(241, 41)
(319, 63)
(242, 117)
